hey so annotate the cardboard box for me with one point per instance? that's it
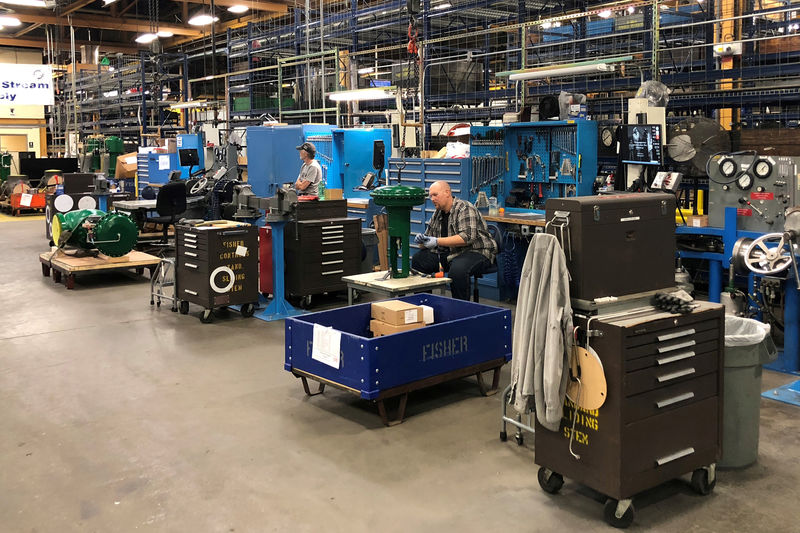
(379, 329)
(126, 166)
(697, 221)
(334, 194)
(171, 145)
(397, 313)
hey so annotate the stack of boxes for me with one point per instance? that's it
(395, 316)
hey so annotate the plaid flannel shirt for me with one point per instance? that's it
(465, 220)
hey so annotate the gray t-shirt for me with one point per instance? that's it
(311, 172)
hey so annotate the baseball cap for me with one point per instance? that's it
(308, 147)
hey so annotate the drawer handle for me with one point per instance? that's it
(191, 265)
(675, 399)
(686, 344)
(675, 335)
(675, 456)
(190, 254)
(190, 292)
(192, 235)
(676, 375)
(332, 262)
(189, 241)
(328, 273)
(676, 357)
(324, 229)
(191, 246)
(332, 242)
(333, 252)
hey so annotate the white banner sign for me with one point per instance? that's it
(26, 85)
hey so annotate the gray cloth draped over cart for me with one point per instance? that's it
(542, 340)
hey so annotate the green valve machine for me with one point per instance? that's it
(113, 234)
(398, 201)
(98, 148)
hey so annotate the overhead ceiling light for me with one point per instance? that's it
(384, 93)
(9, 21)
(107, 2)
(202, 19)
(631, 9)
(146, 38)
(443, 6)
(239, 8)
(604, 14)
(165, 33)
(26, 3)
(569, 69)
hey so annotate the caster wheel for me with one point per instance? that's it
(305, 302)
(158, 304)
(152, 302)
(520, 439)
(51, 243)
(184, 307)
(503, 436)
(550, 484)
(700, 482)
(247, 310)
(206, 316)
(609, 514)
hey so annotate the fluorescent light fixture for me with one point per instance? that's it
(202, 19)
(108, 2)
(535, 74)
(446, 5)
(604, 14)
(192, 104)
(165, 33)
(146, 38)
(366, 70)
(9, 21)
(239, 8)
(26, 3)
(375, 93)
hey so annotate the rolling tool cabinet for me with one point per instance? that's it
(216, 266)
(662, 417)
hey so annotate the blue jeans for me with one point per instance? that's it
(459, 270)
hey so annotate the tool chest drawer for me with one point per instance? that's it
(688, 366)
(680, 434)
(669, 398)
(664, 358)
(685, 338)
(189, 264)
(668, 330)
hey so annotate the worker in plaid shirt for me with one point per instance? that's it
(457, 241)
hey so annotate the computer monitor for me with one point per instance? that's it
(640, 144)
(189, 157)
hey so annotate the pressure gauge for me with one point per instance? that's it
(607, 137)
(728, 167)
(762, 169)
(744, 182)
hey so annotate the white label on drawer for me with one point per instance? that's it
(241, 251)
(411, 316)
(326, 346)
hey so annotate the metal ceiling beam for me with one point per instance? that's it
(104, 23)
(254, 5)
(42, 44)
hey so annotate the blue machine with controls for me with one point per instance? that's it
(154, 168)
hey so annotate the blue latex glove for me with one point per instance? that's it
(420, 238)
(430, 242)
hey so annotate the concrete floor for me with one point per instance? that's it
(117, 416)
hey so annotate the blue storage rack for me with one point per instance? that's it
(466, 337)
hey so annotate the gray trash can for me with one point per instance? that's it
(748, 345)
(369, 244)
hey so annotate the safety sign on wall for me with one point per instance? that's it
(26, 84)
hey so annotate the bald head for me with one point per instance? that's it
(441, 196)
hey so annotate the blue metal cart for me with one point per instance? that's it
(466, 339)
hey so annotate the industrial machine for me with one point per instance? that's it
(112, 234)
(101, 154)
(760, 187)
(398, 201)
(5, 166)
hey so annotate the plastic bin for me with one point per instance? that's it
(748, 345)
(369, 249)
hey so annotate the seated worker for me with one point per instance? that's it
(457, 239)
(310, 173)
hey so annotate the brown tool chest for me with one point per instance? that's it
(216, 266)
(319, 253)
(662, 417)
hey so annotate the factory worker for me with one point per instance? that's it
(310, 173)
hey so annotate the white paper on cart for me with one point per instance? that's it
(326, 346)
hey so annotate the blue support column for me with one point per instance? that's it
(278, 308)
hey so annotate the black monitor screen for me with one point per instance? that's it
(189, 157)
(75, 183)
(641, 144)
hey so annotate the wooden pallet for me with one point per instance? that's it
(65, 267)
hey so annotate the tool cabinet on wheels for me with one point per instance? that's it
(662, 417)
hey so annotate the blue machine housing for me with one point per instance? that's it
(151, 166)
(463, 335)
